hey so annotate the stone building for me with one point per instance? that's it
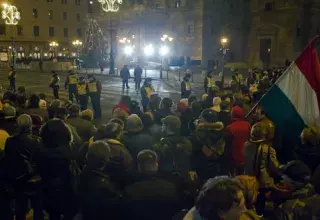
(44, 21)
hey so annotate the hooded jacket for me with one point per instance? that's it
(237, 133)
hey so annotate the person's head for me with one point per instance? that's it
(154, 102)
(138, 66)
(87, 114)
(225, 106)
(221, 198)
(187, 77)
(310, 135)
(43, 104)
(117, 121)
(11, 68)
(296, 173)
(98, 155)
(24, 122)
(126, 100)
(237, 113)
(125, 66)
(258, 132)
(9, 112)
(250, 188)
(21, 101)
(147, 161)
(148, 82)
(166, 103)
(134, 124)
(216, 104)
(171, 125)
(55, 133)
(121, 114)
(21, 89)
(91, 78)
(74, 110)
(34, 101)
(208, 115)
(42, 96)
(147, 119)
(62, 113)
(191, 99)
(111, 131)
(259, 112)
(53, 108)
(196, 108)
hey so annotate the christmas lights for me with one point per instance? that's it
(10, 14)
(110, 5)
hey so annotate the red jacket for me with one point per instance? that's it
(237, 133)
(122, 106)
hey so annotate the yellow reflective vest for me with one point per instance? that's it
(188, 86)
(210, 82)
(92, 87)
(149, 91)
(73, 79)
(82, 88)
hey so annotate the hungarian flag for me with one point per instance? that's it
(292, 103)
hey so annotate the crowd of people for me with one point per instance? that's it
(207, 158)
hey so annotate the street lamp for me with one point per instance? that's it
(111, 6)
(128, 50)
(164, 51)
(224, 41)
(77, 44)
(11, 16)
(54, 44)
(149, 50)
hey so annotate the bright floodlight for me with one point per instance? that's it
(164, 50)
(224, 40)
(149, 50)
(128, 50)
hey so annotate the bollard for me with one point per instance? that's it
(192, 76)
(86, 70)
(167, 74)
(145, 72)
(179, 75)
(161, 73)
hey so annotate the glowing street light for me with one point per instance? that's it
(10, 14)
(110, 5)
(224, 41)
(149, 50)
(164, 51)
(54, 44)
(77, 43)
(128, 50)
(166, 37)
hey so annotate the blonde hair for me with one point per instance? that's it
(310, 134)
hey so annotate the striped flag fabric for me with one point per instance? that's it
(292, 103)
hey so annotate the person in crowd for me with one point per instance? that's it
(220, 198)
(237, 133)
(125, 75)
(99, 198)
(34, 108)
(234, 84)
(84, 128)
(71, 85)
(250, 186)
(87, 115)
(43, 104)
(186, 87)
(208, 83)
(150, 127)
(261, 161)
(137, 77)
(124, 104)
(54, 84)
(151, 196)
(53, 164)
(261, 117)
(216, 104)
(165, 109)
(112, 134)
(224, 114)
(3, 138)
(316, 179)
(196, 110)
(191, 99)
(146, 91)
(174, 151)
(135, 139)
(120, 114)
(8, 120)
(309, 151)
(299, 198)
(208, 145)
(82, 89)
(94, 91)
(12, 79)
(53, 108)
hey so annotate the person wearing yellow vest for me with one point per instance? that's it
(71, 85)
(12, 79)
(54, 84)
(82, 88)
(146, 92)
(186, 87)
(208, 82)
(94, 91)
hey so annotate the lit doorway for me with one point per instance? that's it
(265, 52)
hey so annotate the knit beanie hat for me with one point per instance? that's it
(134, 123)
(24, 121)
(120, 113)
(87, 113)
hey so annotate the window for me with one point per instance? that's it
(2, 29)
(65, 16)
(36, 31)
(78, 17)
(51, 31)
(50, 14)
(65, 32)
(77, 2)
(19, 30)
(64, 2)
(190, 28)
(79, 32)
(268, 6)
(35, 13)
